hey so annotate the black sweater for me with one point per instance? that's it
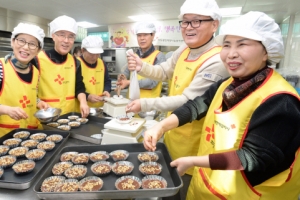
(273, 135)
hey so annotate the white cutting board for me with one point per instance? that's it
(131, 127)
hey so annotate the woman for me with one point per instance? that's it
(251, 135)
(19, 80)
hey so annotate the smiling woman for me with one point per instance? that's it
(21, 102)
(250, 137)
(25, 47)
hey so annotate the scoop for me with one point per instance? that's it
(118, 89)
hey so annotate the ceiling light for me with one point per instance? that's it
(228, 12)
(85, 24)
(141, 18)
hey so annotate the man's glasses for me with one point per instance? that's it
(63, 37)
(193, 23)
(22, 42)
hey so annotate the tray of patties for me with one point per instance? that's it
(115, 171)
(24, 154)
(86, 129)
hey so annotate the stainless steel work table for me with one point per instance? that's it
(11, 194)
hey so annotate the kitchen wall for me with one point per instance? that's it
(10, 19)
(290, 66)
(292, 42)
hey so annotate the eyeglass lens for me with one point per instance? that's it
(22, 42)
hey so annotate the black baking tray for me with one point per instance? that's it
(85, 131)
(11, 180)
(108, 191)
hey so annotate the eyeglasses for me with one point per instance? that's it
(31, 45)
(63, 37)
(193, 23)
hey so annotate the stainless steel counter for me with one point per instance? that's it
(29, 194)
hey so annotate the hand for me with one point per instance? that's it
(93, 98)
(134, 62)
(182, 164)
(15, 113)
(105, 94)
(84, 109)
(151, 136)
(123, 83)
(121, 77)
(43, 105)
(134, 106)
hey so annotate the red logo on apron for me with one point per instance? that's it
(93, 81)
(24, 101)
(210, 136)
(175, 80)
(59, 79)
(233, 126)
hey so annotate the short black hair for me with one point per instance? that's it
(76, 49)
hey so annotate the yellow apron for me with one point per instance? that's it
(17, 93)
(57, 83)
(184, 140)
(93, 79)
(224, 131)
(154, 92)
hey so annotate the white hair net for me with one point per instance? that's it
(64, 23)
(201, 7)
(30, 29)
(257, 26)
(93, 44)
(145, 27)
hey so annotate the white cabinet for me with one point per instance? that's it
(115, 59)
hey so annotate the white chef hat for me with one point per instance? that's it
(63, 23)
(201, 7)
(92, 44)
(29, 29)
(256, 26)
(145, 27)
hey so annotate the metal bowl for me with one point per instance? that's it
(153, 114)
(49, 115)
(95, 111)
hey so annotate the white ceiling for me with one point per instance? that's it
(106, 12)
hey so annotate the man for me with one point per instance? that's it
(95, 74)
(193, 67)
(60, 72)
(77, 51)
(145, 32)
